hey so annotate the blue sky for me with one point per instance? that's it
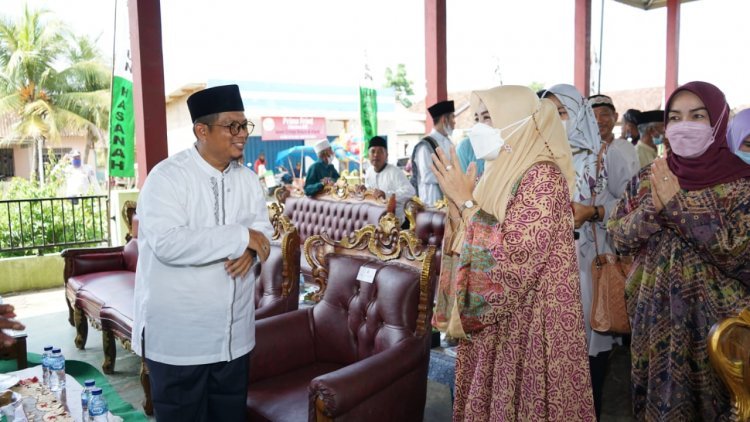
(325, 42)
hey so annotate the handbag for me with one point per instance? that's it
(609, 273)
(608, 310)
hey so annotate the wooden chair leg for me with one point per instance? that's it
(82, 327)
(148, 406)
(71, 313)
(110, 352)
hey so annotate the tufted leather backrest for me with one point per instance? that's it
(356, 319)
(130, 251)
(268, 279)
(430, 229)
(336, 218)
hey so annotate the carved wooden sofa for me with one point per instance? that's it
(729, 352)
(337, 210)
(362, 352)
(341, 209)
(100, 282)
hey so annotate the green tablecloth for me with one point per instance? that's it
(82, 371)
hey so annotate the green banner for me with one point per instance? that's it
(121, 130)
(368, 112)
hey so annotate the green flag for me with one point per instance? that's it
(121, 115)
(368, 113)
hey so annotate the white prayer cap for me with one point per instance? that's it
(322, 145)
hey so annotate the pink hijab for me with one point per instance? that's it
(718, 164)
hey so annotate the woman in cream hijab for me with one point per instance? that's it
(512, 293)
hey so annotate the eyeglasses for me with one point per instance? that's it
(236, 127)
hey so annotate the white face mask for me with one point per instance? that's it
(488, 141)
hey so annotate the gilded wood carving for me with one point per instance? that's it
(729, 352)
(384, 241)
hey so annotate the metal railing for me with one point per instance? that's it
(52, 224)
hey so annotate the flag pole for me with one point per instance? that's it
(106, 165)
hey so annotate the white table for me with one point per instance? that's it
(72, 390)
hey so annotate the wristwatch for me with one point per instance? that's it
(469, 204)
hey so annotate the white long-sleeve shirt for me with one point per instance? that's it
(193, 218)
(429, 190)
(391, 180)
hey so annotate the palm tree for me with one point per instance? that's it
(51, 81)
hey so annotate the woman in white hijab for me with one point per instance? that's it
(512, 295)
(608, 185)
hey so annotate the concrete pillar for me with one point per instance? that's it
(435, 55)
(582, 50)
(148, 85)
(673, 47)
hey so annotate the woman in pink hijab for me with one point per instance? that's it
(686, 221)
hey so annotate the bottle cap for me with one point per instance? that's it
(89, 383)
(56, 350)
(96, 391)
(48, 347)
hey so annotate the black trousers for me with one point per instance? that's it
(200, 393)
(598, 366)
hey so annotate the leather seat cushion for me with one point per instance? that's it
(285, 397)
(117, 315)
(99, 289)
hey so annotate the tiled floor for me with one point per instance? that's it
(45, 315)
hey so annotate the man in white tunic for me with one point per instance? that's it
(203, 225)
(443, 123)
(387, 178)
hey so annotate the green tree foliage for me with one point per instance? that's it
(51, 81)
(536, 86)
(400, 83)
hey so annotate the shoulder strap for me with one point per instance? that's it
(433, 143)
(599, 165)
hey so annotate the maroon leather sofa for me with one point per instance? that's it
(362, 352)
(324, 214)
(342, 209)
(100, 283)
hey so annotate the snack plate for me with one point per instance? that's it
(7, 381)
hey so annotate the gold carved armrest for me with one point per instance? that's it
(729, 352)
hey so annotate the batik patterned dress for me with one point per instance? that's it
(529, 362)
(692, 269)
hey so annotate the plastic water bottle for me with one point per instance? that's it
(45, 365)
(97, 406)
(88, 385)
(56, 370)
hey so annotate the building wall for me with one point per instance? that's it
(338, 105)
(31, 273)
(23, 155)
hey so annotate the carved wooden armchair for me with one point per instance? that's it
(729, 351)
(361, 353)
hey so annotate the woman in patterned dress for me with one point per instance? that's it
(594, 199)
(523, 352)
(685, 219)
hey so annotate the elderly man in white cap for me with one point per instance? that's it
(203, 226)
(322, 172)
